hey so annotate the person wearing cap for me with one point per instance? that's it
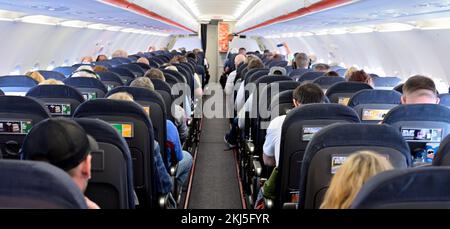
(64, 144)
(278, 71)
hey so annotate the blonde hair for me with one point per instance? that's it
(36, 76)
(350, 72)
(120, 53)
(121, 96)
(351, 176)
(143, 60)
(51, 82)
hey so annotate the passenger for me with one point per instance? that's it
(51, 82)
(277, 57)
(143, 60)
(357, 169)
(85, 71)
(155, 73)
(322, 68)
(302, 61)
(304, 94)
(99, 68)
(87, 60)
(101, 58)
(277, 71)
(64, 144)
(331, 74)
(198, 90)
(419, 90)
(171, 67)
(349, 72)
(361, 76)
(120, 53)
(242, 51)
(253, 63)
(184, 158)
(164, 183)
(36, 76)
(229, 86)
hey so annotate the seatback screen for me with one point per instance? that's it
(59, 109)
(15, 126)
(125, 129)
(309, 131)
(90, 95)
(374, 114)
(338, 160)
(422, 134)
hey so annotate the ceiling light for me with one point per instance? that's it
(360, 29)
(40, 19)
(441, 23)
(114, 28)
(394, 27)
(75, 24)
(337, 31)
(98, 26)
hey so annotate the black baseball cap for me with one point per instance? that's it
(61, 142)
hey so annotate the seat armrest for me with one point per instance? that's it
(257, 166)
(250, 147)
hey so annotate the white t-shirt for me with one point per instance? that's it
(271, 146)
(229, 92)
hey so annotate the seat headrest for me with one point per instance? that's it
(98, 107)
(328, 80)
(17, 81)
(139, 94)
(321, 111)
(40, 184)
(369, 96)
(86, 82)
(386, 81)
(418, 112)
(22, 105)
(55, 91)
(310, 76)
(359, 135)
(347, 87)
(52, 75)
(110, 76)
(402, 187)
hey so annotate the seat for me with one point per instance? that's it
(386, 83)
(136, 69)
(423, 126)
(278, 64)
(341, 72)
(103, 63)
(144, 66)
(442, 157)
(66, 71)
(326, 82)
(90, 88)
(444, 99)
(296, 73)
(52, 75)
(342, 92)
(61, 100)
(255, 74)
(373, 105)
(165, 91)
(413, 188)
(126, 75)
(122, 60)
(304, 122)
(110, 80)
(135, 126)
(37, 185)
(111, 185)
(17, 116)
(180, 78)
(16, 85)
(309, 76)
(333, 144)
(154, 105)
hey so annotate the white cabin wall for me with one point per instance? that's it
(26, 45)
(401, 54)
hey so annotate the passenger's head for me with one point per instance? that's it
(255, 63)
(87, 60)
(171, 67)
(242, 51)
(102, 58)
(332, 74)
(351, 176)
(277, 57)
(419, 90)
(178, 59)
(36, 76)
(361, 76)
(239, 59)
(120, 53)
(307, 93)
(85, 71)
(191, 55)
(155, 73)
(143, 82)
(143, 60)
(124, 96)
(349, 72)
(99, 68)
(321, 68)
(278, 71)
(64, 144)
(302, 60)
(51, 82)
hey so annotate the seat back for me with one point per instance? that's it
(444, 99)
(90, 88)
(386, 83)
(66, 71)
(298, 129)
(423, 126)
(330, 147)
(111, 184)
(61, 100)
(52, 75)
(135, 126)
(326, 82)
(122, 60)
(110, 80)
(37, 185)
(309, 76)
(136, 69)
(16, 85)
(373, 105)
(125, 74)
(442, 157)
(342, 92)
(296, 73)
(413, 188)
(17, 116)
(278, 64)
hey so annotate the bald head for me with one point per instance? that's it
(239, 59)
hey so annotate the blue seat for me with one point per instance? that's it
(16, 85)
(135, 126)
(442, 157)
(125, 74)
(297, 130)
(341, 72)
(326, 82)
(296, 73)
(111, 185)
(278, 64)
(122, 60)
(103, 63)
(66, 71)
(413, 188)
(386, 83)
(91, 88)
(444, 99)
(255, 74)
(373, 105)
(331, 145)
(37, 185)
(342, 92)
(423, 126)
(52, 75)
(310, 76)
(82, 64)
(18, 115)
(61, 100)
(144, 66)
(110, 79)
(136, 69)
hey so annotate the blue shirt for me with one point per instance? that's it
(173, 138)
(163, 180)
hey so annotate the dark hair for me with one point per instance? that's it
(191, 55)
(255, 63)
(419, 82)
(321, 67)
(331, 73)
(359, 76)
(308, 93)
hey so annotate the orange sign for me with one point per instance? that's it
(224, 32)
